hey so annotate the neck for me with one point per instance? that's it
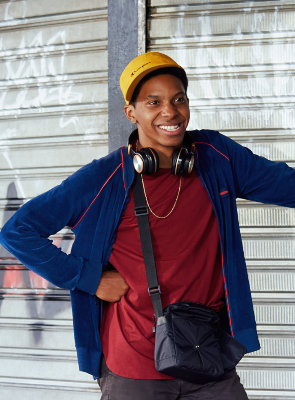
(165, 155)
(165, 159)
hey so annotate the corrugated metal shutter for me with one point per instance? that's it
(240, 59)
(53, 120)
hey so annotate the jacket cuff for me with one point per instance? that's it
(89, 278)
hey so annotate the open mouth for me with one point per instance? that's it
(170, 128)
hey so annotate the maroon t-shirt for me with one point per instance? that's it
(187, 256)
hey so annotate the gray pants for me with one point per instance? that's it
(115, 387)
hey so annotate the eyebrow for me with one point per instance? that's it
(156, 97)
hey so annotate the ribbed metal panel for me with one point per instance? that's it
(53, 84)
(240, 61)
(53, 120)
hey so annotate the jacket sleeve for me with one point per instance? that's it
(26, 234)
(259, 179)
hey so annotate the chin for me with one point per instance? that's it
(175, 139)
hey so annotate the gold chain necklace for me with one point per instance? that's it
(147, 202)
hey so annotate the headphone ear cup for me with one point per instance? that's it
(150, 161)
(175, 156)
(156, 160)
(178, 160)
(189, 163)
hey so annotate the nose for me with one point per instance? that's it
(169, 110)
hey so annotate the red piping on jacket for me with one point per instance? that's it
(222, 264)
(197, 154)
(123, 169)
(225, 287)
(214, 149)
(96, 197)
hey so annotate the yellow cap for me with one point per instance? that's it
(141, 66)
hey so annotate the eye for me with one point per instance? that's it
(153, 103)
(180, 99)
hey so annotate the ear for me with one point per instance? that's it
(129, 112)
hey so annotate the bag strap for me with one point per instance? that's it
(141, 211)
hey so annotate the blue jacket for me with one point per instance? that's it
(92, 202)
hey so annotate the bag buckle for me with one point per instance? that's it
(155, 290)
(141, 210)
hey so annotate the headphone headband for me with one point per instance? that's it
(146, 160)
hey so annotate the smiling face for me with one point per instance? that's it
(161, 113)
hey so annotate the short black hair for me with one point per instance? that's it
(178, 72)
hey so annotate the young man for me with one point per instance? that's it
(194, 228)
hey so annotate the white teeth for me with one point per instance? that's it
(169, 127)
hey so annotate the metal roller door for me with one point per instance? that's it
(240, 59)
(53, 120)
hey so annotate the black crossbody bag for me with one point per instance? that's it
(188, 343)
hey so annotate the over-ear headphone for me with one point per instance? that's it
(146, 160)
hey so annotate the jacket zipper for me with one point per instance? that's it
(221, 246)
